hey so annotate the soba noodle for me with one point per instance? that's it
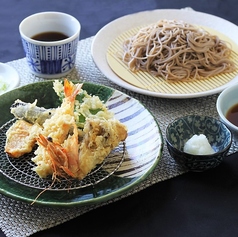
(176, 50)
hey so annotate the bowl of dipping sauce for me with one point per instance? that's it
(227, 108)
(50, 41)
(198, 142)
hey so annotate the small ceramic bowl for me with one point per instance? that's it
(225, 101)
(182, 129)
(50, 58)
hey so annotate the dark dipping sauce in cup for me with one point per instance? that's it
(232, 115)
(50, 36)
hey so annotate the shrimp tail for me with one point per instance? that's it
(71, 90)
(58, 157)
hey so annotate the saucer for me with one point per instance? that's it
(9, 78)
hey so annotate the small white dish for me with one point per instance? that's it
(8, 76)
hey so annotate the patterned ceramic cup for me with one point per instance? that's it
(50, 58)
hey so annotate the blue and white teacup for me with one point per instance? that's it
(50, 58)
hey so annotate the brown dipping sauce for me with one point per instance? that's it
(50, 36)
(232, 114)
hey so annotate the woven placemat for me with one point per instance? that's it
(22, 219)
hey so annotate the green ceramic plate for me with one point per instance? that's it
(142, 150)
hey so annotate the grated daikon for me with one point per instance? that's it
(198, 145)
